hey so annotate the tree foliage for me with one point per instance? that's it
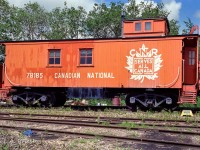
(57, 24)
(103, 21)
(76, 22)
(5, 20)
(33, 20)
(188, 23)
(145, 9)
(174, 27)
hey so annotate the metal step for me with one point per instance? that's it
(188, 97)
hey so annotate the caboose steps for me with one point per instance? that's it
(188, 97)
(188, 94)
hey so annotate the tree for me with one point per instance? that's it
(4, 20)
(103, 21)
(188, 25)
(57, 24)
(115, 18)
(67, 23)
(132, 10)
(174, 27)
(16, 30)
(147, 9)
(97, 22)
(76, 19)
(33, 21)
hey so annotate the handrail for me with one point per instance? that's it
(183, 72)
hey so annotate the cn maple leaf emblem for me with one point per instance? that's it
(144, 63)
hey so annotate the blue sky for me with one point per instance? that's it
(180, 9)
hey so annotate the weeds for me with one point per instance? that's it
(105, 123)
(4, 146)
(128, 125)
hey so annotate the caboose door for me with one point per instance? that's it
(189, 65)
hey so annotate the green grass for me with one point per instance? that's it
(95, 102)
(102, 102)
(4, 146)
(192, 105)
(128, 125)
(107, 102)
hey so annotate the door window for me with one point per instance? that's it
(191, 57)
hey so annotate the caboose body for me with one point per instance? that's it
(152, 68)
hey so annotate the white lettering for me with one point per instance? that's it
(67, 75)
(103, 75)
(34, 75)
(90, 75)
(154, 52)
(132, 52)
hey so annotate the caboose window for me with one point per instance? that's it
(138, 26)
(147, 26)
(54, 56)
(85, 56)
(191, 57)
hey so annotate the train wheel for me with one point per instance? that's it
(50, 100)
(130, 104)
(25, 98)
(18, 101)
(47, 102)
(54, 100)
(174, 104)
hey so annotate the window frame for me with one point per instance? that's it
(54, 57)
(138, 22)
(92, 57)
(192, 58)
(150, 26)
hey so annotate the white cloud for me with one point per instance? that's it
(50, 4)
(173, 7)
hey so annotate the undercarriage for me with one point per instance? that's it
(32, 97)
(150, 99)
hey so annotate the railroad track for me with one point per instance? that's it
(89, 124)
(98, 123)
(81, 108)
(110, 119)
(104, 124)
(141, 140)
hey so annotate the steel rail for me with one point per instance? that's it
(77, 107)
(142, 140)
(110, 122)
(89, 124)
(97, 117)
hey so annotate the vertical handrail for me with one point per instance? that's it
(183, 63)
(3, 69)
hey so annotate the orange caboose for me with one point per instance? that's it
(152, 68)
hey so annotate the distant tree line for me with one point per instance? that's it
(104, 21)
